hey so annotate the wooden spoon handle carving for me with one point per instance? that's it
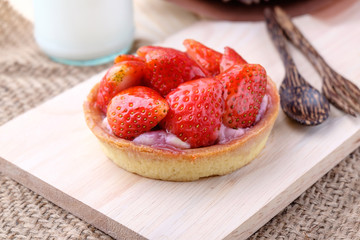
(340, 91)
(298, 39)
(292, 75)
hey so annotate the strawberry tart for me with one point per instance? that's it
(180, 116)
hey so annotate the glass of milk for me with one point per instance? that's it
(83, 32)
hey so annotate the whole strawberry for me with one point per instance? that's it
(166, 68)
(245, 87)
(230, 58)
(205, 57)
(196, 108)
(135, 110)
(122, 75)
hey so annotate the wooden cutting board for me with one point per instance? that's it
(50, 149)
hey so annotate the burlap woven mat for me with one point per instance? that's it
(330, 209)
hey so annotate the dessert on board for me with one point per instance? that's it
(180, 116)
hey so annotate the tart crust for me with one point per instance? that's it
(188, 164)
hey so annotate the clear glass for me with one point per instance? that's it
(83, 32)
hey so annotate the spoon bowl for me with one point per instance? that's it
(304, 104)
(298, 99)
(341, 92)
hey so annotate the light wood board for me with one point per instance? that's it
(50, 150)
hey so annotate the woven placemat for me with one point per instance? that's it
(330, 209)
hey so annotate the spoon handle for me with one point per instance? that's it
(298, 39)
(293, 78)
(340, 91)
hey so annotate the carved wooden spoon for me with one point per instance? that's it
(298, 99)
(339, 91)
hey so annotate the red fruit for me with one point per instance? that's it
(205, 57)
(144, 50)
(230, 58)
(119, 77)
(245, 87)
(166, 68)
(127, 57)
(195, 111)
(135, 110)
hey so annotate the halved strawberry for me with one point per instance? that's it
(127, 57)
(144, 50)
(245, 87)
(205, 57)
(166, 68)
(119, 77)
(196, 108)
(135, 110)
(230, 58)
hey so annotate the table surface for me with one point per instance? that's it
(149, 25)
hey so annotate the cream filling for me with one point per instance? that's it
(166, 140)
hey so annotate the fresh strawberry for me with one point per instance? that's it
(119, 77)
(166, 68)
(205, 57)
(196, 108)
(245, 87)
(135, 110)
(127, 57)
(144, 50)
(230, 58)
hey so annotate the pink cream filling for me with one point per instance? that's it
(165, 140)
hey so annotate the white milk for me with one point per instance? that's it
(84, 32)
